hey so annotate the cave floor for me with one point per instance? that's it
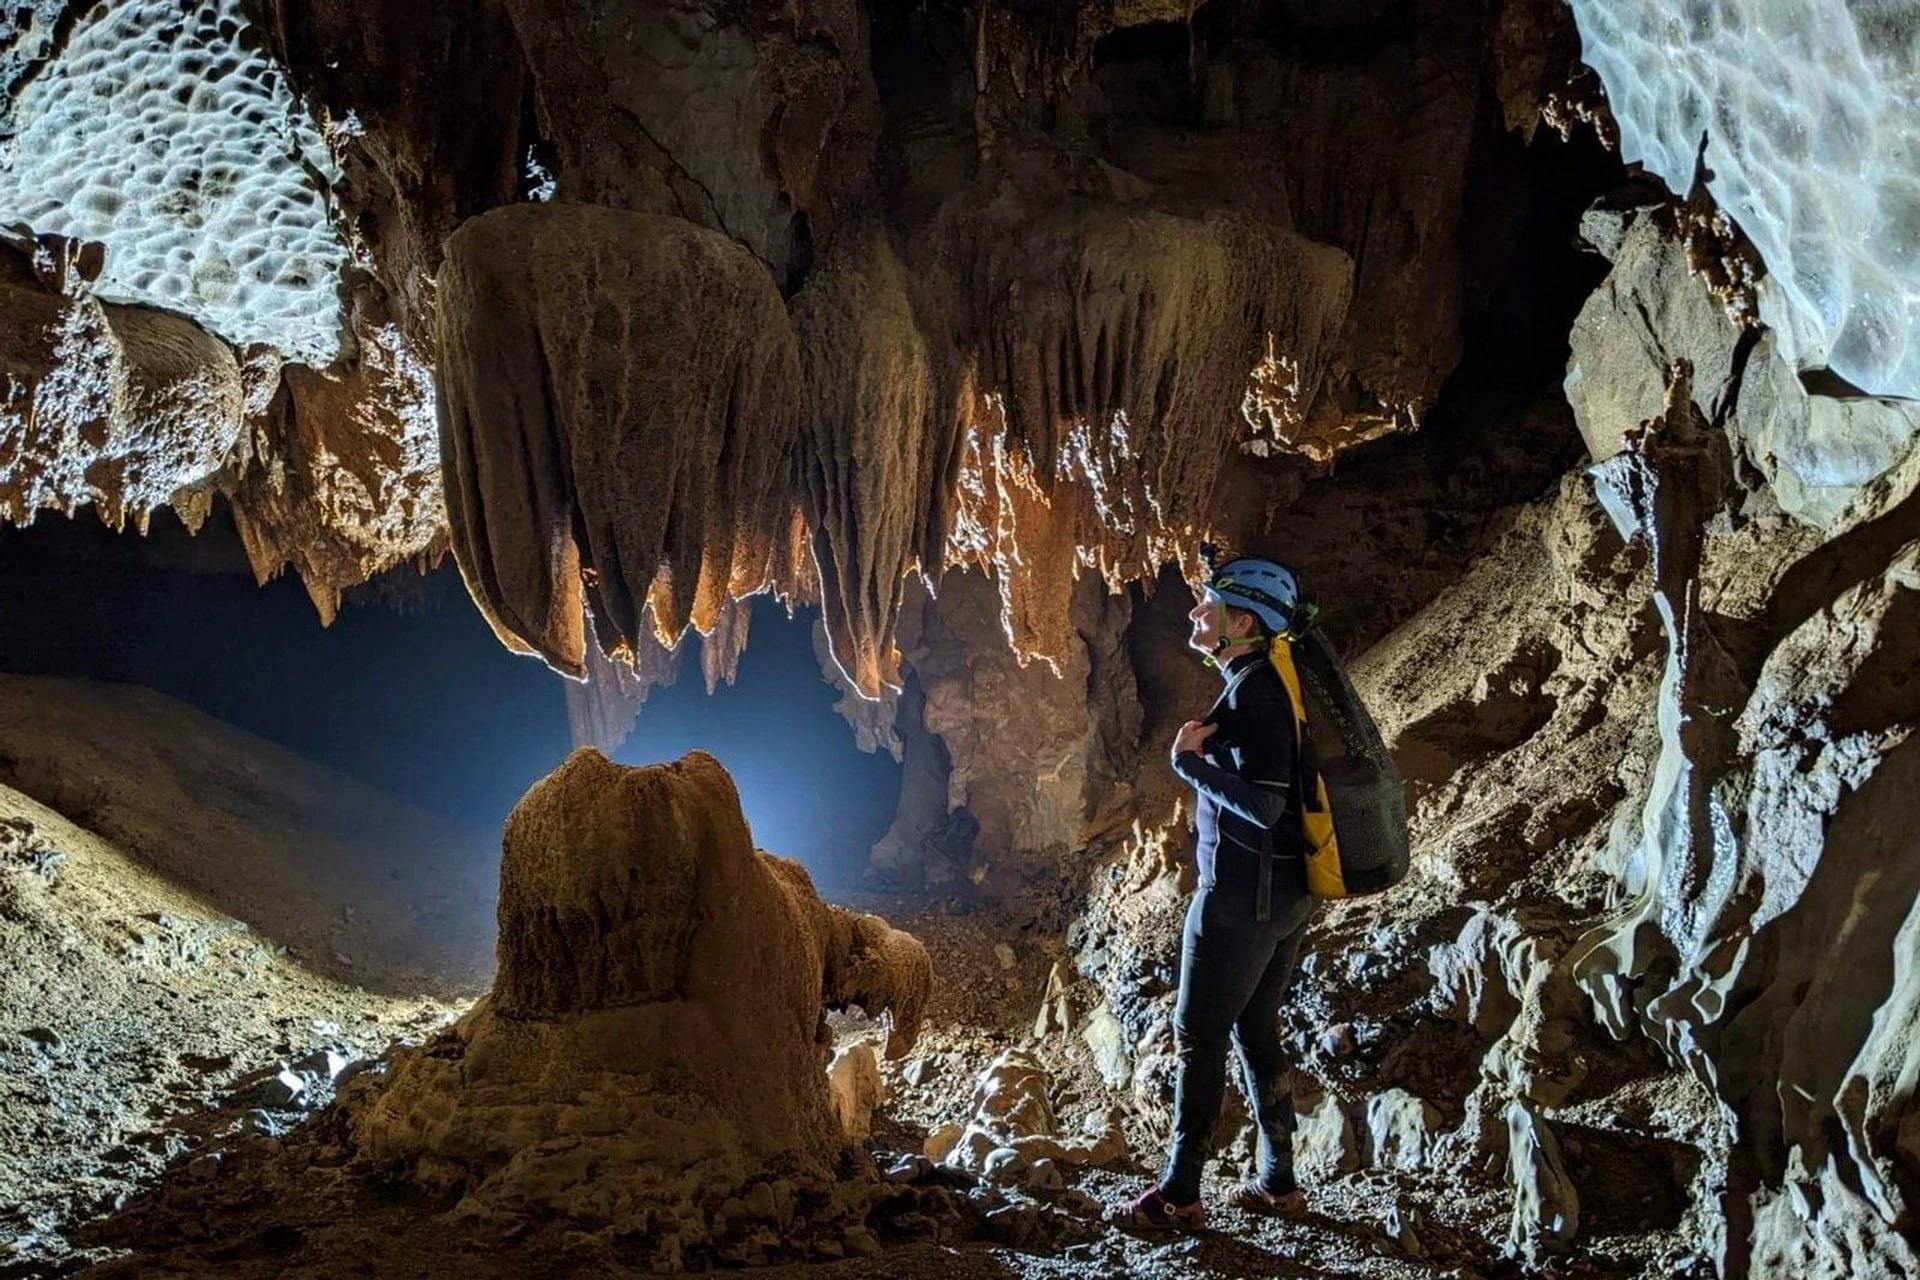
(166, 1108)
(140, 1026)
(224, 1191)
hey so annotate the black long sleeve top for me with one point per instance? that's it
(1244, 777)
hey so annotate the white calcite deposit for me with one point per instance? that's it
(1813, 147)
(160, 134)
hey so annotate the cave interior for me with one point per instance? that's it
(594, 605)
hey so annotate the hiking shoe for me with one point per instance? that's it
(1154, 1212)
(1252, 1196)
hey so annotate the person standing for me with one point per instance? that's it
(1251, 909)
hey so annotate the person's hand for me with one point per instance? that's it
(1192, 737)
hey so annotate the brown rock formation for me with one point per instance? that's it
(128, 408)
(878, 463)
(1034, 309)
(1105, 409)
(339, 474)
(653, 1033)
(605, 451)
(122, 407)
(1030, 349)
(1028, 752)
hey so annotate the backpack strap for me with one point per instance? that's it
(1322, 853)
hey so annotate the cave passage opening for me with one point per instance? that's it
(409, 691)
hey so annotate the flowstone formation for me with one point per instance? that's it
(560, 416)
(1800, 122)
(1035, 347)
(650, 1066)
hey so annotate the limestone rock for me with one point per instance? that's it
(338, 474)
(1469, 982)
(654, 1014)
(1003, 1164)
(1546, 1207)
(1400, 1130)
(1044, 1175)
(1818, 451)
(1756, 861)
(1108, 1040)
(277, 1091)
(1325, 1145)
(1016, 751)
(1009, 1111)
(1650, 311)
(1044, 482)
(874, 483)
(120, 407)
(322, 1065)
(942, 1139)
(1056, 1016)
(853, 1080)
(1835, 233)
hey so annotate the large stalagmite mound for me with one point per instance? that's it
(652, 1043)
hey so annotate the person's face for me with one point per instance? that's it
(1206, 625)
(1205, 617)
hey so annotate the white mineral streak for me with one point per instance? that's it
(1813, 146)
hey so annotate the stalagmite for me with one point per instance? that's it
(653, 1036)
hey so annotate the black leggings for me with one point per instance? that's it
(1234, 972)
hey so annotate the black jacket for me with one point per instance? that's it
(1244, 776)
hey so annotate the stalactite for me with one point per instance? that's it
(604, 449)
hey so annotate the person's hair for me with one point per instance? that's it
(1259, 623)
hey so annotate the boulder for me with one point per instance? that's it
(1400, 1130)
(854, 1084)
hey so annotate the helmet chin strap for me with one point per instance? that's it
(1227, 642)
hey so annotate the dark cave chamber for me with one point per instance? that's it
(410, 692)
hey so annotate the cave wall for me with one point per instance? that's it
(1761, 900)
(963, 321)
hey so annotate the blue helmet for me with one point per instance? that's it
(1263, 588)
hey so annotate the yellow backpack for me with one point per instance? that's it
(1353, 805)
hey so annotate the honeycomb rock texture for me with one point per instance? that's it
(160, 132)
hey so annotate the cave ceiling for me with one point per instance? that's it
(641, 308)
